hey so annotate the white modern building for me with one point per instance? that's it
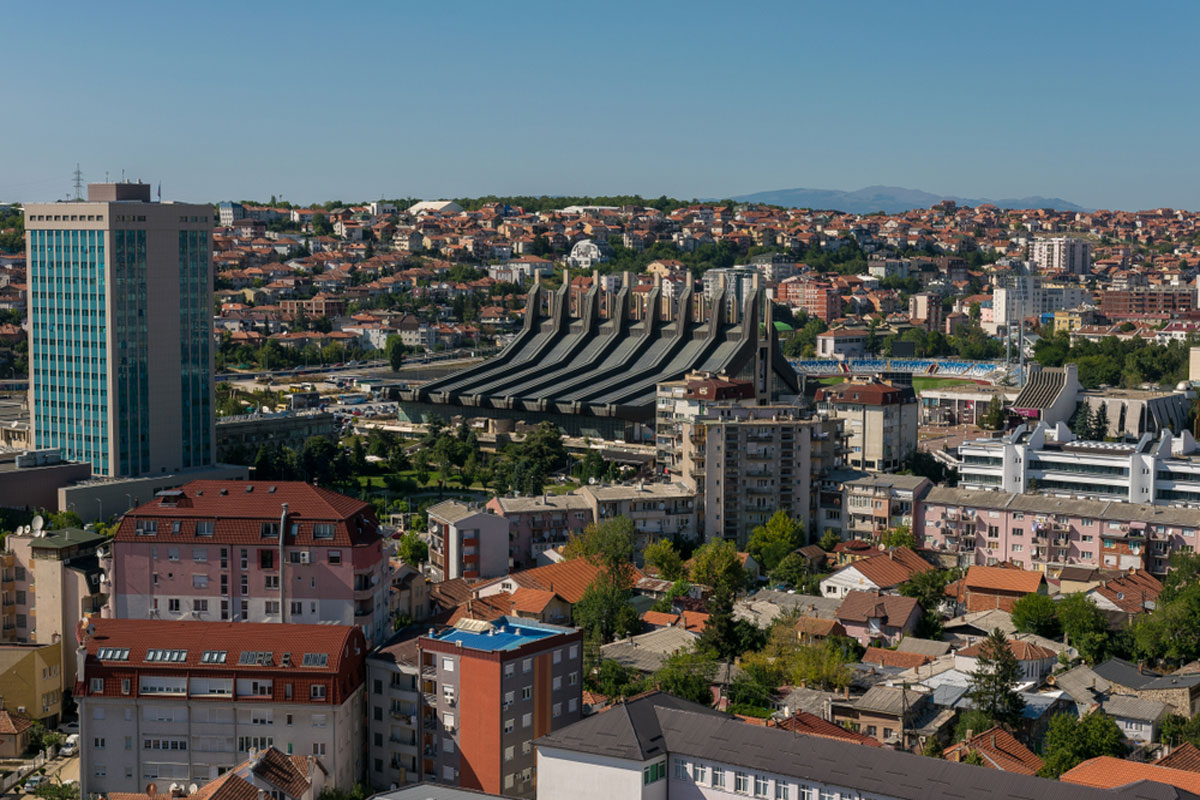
(1050, 460)
(1062, 254)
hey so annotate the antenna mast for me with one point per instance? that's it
(78, 182)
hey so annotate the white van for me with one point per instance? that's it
(70, 746)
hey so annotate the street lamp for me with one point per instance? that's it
(100, 512)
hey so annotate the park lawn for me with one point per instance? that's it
(830, 380)
(920, 384)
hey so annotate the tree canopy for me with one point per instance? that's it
(996, 673)
(770, 543)
(1071, 741)
(1036, 613)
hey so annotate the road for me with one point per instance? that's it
(66, 769)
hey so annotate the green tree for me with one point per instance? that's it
(900, 536)
(792, 570)
(1036, 613)
(1099, 431)
(412, 550)
(824, 666)
(614, 679)
(608, 544)
(993, 420)
(394, 350)
(687, 674)
(662, 555)
(717, 564)
(971, 722)
(55, 789)
(829, 540)
(770, 543)
(996, 673)
(63, 519)
(929, 590)
(1084, 626)
(604, 612)
(1071, 741)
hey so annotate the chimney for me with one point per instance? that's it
(970, 734)
(993, 741)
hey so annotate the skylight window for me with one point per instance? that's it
(256, 658)
(113, 654)
(315, 660)
(171, 656)
(213, 657)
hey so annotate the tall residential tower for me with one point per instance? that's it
(120, 330)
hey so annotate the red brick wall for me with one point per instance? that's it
(479, 735)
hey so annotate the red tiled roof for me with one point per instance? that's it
(1107, 772)
(1185, 757)
(1023, 650)
(1003, 579)
(1131, 592)
(238, 509)
(891, 569)
(569, 579)
(815, 626)
(812, 725)
(343, 646)
(532, 600)
(13, 724)
(892, 658)
(660, 618)
(862, 606)
(695, 621)
(999, 749)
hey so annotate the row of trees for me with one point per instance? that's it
(1116, 362)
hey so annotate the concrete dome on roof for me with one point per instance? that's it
(585, 253)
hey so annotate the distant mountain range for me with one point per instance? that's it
(890, 199)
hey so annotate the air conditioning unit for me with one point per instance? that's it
(305, 557)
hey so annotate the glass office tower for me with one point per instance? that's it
(120, 330)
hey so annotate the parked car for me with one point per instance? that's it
(69, 727)
(33, 782)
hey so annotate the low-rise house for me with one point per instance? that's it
(1138, 719)
(1109, 772)
(999, 587)
(14, 734)
(997, 749)
(811, 725)
(873, 617)
(882, 572)
(813, 630)
(1180, 692)
(1035, 661)
(1128, 595)
(646, 652)
(897, 717)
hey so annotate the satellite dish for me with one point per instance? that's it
(151, 789)
(193, 788)
(174, 788)
(591, 481)
(38, 523)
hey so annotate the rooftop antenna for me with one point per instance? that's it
(78, 182)
(122, 176)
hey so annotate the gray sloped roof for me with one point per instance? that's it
(1134, 708)
(1124, 673)
(646, 651)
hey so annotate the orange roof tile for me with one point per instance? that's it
(1003, 579)
(1023, 650)
(892, 658)
(999, 749)
(1107, 772)
(1185, 757)
(660, 618)
(812, 725)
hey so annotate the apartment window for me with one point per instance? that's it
(700, 773)
(526, 692)
(317, 692)
(509, 752)
(97, 685)
(199, 581)
(448, 665)
(718, 778)
(318, 748)
(269, 530)
(558, 656)
(271, 582)
(654, 773)
(318, 720)
(526, 720)
(199, 605)
(557, 682)
(296, 608)
(761, 786)
(574, 651)
(1018, 532)
(447, 744)
(508, 780)
(572, 704)
(509, 669)
(573, 678)
(448, 721)
(271, 607)
(266, 559)
(173, 605)
(100, 771)
(204, 528)
(335, 556)
(98, 742)
(527, 665)
(200, 554)
(741, 783)
(509, 725)
(681, 769)
(172, 554)
(556, 710)
(527, 746)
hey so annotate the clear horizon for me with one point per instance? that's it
(311, 103)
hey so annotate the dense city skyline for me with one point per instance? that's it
(232, 102)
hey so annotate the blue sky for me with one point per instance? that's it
(1092, 102)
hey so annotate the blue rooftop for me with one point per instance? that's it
(506, 633)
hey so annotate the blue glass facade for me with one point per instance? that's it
(131, 351)
(68, 356)
(195, 343)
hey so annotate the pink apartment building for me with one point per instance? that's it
(1047, 533)
(212, 550)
